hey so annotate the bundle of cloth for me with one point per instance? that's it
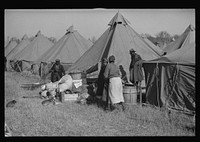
(50, 89)
(65, 85)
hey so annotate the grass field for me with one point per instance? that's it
(30, 118)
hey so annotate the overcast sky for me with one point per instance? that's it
(93, 22)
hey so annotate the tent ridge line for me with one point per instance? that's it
(110, 36)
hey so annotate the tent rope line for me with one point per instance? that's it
(173, 83)
(107, 41)
(171, 86)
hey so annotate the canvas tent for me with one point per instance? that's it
(156, 48)
(6, 42)
(29, 54)
(23, 43)
(68, 48)
(170, 80)
(180, 41)
(35, 49)
(12, 44)
(117, 40)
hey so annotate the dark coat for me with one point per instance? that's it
(57, 71)
(101, 81)
(134, 58)
(138, 74)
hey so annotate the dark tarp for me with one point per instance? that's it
(170, 80)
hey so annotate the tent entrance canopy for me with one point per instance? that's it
(171, 85)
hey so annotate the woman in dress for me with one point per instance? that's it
(115, 89)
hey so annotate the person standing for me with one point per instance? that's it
(115, 89)
(57, 71)
(134, 58)
(101, 82)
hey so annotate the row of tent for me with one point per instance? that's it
(68, 49)
(163, 74)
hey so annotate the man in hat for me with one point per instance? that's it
(57, 71)
(134, 58)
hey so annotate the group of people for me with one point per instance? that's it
(109, 84)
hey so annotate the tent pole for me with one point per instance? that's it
(40, 69)
(140, 93)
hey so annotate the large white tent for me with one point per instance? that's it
(117, 40)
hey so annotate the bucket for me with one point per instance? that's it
(130, 94)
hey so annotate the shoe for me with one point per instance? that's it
(55, 103)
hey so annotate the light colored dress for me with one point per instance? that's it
(115, 89)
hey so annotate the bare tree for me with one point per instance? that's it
(176, 36)
(145, 35)
(164, 36)
(52, 39)
(31, 38)
(15, 39)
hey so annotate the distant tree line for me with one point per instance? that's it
(161, 38)
(52, 39)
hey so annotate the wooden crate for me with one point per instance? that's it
(69, 97)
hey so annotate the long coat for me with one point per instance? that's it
(134, 58)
